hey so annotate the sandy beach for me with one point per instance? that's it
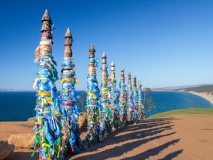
(178, 137)
(208, 96)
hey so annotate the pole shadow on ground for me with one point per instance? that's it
(139, 134)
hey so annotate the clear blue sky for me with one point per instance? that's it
(161, 42)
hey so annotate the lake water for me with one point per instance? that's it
(166, 101)
(19, 106)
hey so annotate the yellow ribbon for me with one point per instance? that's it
(65, 79)
(64, 91)
(91, 94)
(44, 93)
(56, 112)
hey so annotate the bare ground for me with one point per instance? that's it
(179, 137)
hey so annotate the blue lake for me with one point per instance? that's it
(19, 106)
(166, 101)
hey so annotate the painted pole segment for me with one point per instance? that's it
(47, 124)
(70, 131)
(114, 98)
(122, 100)
(130, 104)
(140, 101)
(105, 114)
(92, 101)
(135, 100)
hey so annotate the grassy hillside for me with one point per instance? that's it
(188, 111)
(204, 88)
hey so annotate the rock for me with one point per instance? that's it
(5, 149)
(82, 119)
(21, 140)
(31, 120)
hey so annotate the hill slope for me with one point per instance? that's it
(203, 88)
(188, 111)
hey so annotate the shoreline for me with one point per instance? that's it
(206, 95)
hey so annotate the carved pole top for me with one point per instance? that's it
(68, 34)
(46, 22)
(112, 66)
(68, 38)
(91, 51)
(46, 16)
(129, 76)
(122, 74)
(68, 44)
(104, 58)
(135, 82)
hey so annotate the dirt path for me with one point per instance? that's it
(178, 138)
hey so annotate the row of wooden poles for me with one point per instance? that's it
(108, 108)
